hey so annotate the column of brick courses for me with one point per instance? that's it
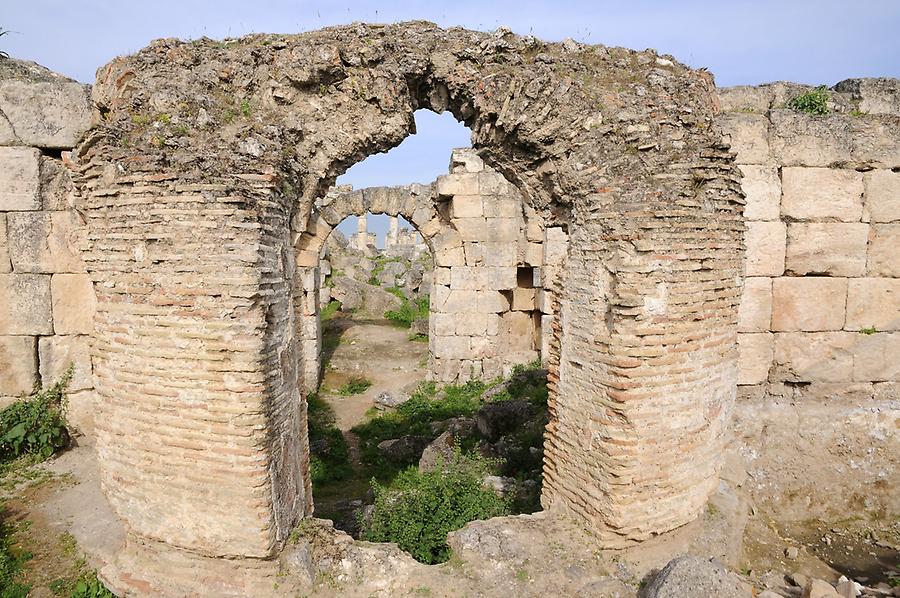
(195, 359)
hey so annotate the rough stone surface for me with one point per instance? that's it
(689, 577)
(18, 365)
(873, 302)
(755, 314)
(25, 304)
(884, 251)
(765, 248)
(74, 303)
(832, 248)
(58, 352)
(5, 263)
(883, 195)
(755, 353)
(43, 109)
(19, 179)
(808, 303)
(762, 186)
(814, 193)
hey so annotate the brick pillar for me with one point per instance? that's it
(201, 434)
(642, 373)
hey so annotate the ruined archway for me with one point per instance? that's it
(207, 159)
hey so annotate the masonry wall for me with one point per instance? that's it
(819, 324)
(46, 300)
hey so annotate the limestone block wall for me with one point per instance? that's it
(496, 265)
(46, 299)
(819, 323)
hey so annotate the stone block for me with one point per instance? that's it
(814, 357)
(494, 302)
(465, 160)
(748, 135)
(18, 365)
(499, 254)
(74, 303)
(51, 114)
(755, 312)
(808, 303)
(745, 98)
(884, 250)
(465, 278)
(755, 353)
(556, 244)
(875, 357)
(466, 206)
(25, 304)
(832, 248)
(472, 325)
(503, 206)
(502, 230)
(533, 254)
(5, 263)
(883, 195)
(457, 184)
(470, 229)
(441, 324)
(452, 347)
(523, 300)
(822, 193)
(442, 276)
(492, 183)
(57, 352)
(56, 190)
(461, 301)
(518, 331)
(44, 242)
(19, 179)
(765, 248)
(873, 302)
(799, 139)
(876, 142)
(762, 188)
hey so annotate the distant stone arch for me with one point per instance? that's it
(205, 163)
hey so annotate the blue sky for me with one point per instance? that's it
(740, 41)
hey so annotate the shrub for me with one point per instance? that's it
(812, 102)
(354, 386)
(36, 425)
(420, 508)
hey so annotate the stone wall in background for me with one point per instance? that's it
(819, 324)
(46, 299)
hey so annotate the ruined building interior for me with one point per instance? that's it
(707, 277)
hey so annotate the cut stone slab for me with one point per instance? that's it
(74, 303)
(48, 114)
(832, 248)
(58, 352)
(809, 304)
(873, 302)
(18, 365)
(25, 304)
(819, 193)
(19, 179)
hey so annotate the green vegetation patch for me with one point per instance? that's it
(330, 311)
(354, 386)
(329, 459)
(813, 102)
(420, 508)
(409, 311)
(36, 425)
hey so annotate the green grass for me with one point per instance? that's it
(332, 462)
(813, 102)
(354, 386)
(330, 310)
(409, 311)
(11, 561)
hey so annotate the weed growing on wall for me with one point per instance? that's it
(813, 102)
(36, 425)
(420, 508)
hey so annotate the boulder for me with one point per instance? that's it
(816, 588)
(496, 419)
(365, 298)
(439, 451)
(458, 426)
(690, 577)
(419, 326)
(404, 448)
(387, 400)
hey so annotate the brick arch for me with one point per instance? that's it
(207, 158)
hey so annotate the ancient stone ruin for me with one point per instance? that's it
(663, 246)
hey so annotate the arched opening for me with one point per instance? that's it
(202, 313)
(458, 262)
